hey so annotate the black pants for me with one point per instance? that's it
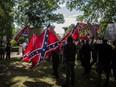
(107, 70)
(70, 73)
(86, 65)
(55, 68)
(8, 55)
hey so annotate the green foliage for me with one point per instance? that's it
(22, 39)
(6, 19)
(13, 42)
(94, 10)
(43, 9)
(72, 26)
(14, 11)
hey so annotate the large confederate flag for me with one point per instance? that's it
(41, 46)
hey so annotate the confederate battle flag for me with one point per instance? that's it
(41, 46)
(73, 33)
(24, 31)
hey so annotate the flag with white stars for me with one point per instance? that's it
(16, 38)
(64, 39)
(26, 55)
(26, 31)
(42, 47)
(73, 33)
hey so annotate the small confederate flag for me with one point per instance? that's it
(20, 33)
(64, 39)
(26, 32)
(42, 47)
(73, 33)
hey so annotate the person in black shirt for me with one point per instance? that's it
(2, 49)
(104, 61)
(69, 54)
(8, 49)
(85, 59)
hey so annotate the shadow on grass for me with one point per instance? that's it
(13, 72)
(16, 67)
(37, 84)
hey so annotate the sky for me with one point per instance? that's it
(69, 17)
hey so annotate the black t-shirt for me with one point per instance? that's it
(55, 57)
(86, 49)
(104, 53)
(70, 52)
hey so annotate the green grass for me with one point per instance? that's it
(14, 73)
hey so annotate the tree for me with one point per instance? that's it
(100, 11)
(6, 19)
(37, 12)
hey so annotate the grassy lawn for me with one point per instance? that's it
(14, 73)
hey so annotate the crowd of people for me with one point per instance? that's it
(102, 55)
